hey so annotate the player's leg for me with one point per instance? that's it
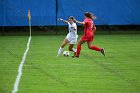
(72, 42)
(71, 48)
(62, 46)
(90, 46)
(80, 42)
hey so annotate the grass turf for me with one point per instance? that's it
(43, 72)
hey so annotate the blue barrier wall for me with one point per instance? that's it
(108, 12)
(14, 12)
(45, 12)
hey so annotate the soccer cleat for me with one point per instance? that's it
(103, 52)
(74, 56)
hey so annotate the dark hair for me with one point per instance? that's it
(71, 17)
(90, 15)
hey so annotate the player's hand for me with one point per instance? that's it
(94, 30)
(60, 19)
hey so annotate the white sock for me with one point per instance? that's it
(74, 50)
(60, 51)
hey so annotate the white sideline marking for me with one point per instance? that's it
(16, 84)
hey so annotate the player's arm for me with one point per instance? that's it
(65, 21)
(82, 23)
(74, 28)
(94, 29)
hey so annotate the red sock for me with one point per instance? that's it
(96, 48)
(78, 50)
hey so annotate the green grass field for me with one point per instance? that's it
(43, 72)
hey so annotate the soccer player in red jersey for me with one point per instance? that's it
(89, 30)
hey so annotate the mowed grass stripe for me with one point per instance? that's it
(11, 52)
(20, 68)
(91, 73)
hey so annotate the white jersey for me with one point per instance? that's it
(72, 35)
(72, 31)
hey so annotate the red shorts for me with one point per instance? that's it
(87, 37)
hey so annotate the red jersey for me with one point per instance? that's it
(88, 27)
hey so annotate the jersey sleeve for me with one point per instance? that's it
(68, 23)
(86, 21)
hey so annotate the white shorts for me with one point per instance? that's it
(72, 40)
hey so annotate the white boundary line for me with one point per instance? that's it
(16, 84)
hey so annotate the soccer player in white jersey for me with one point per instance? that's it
(71, 37)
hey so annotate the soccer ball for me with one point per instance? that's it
(66, 53)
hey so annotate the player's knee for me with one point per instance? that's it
(89, 47)
(79, 44)
(70, 49)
